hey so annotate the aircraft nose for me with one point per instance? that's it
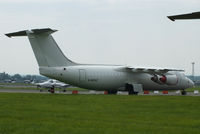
(191, 83)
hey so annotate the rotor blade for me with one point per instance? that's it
(194, 15)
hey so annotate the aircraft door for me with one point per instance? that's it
(82, 75)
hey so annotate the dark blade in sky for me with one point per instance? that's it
(194, 15)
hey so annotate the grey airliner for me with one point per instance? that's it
(112, 78)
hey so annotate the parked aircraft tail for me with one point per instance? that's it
(46, 50)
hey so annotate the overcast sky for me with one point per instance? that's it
(131, 32)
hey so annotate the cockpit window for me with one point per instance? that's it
(182, 74)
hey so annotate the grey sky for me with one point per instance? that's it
(132, 32)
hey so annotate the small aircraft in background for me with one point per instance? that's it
(194, 15)
(51, 84)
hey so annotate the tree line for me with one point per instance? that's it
(5, 77)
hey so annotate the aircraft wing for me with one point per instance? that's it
(194, 15)
(149, 70)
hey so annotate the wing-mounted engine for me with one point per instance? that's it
(159, 75)
(165, 79)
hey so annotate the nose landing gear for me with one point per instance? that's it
(183, 92)
(52, 90)
(130, 89)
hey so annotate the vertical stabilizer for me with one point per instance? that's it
(46, 50)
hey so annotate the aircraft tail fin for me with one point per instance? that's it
(46, 50)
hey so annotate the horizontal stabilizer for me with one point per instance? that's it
(20, 33)
(33, 31)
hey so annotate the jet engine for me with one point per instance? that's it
(165, 79)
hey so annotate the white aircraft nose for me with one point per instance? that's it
(191, 83)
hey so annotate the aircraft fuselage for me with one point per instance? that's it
(100, 77)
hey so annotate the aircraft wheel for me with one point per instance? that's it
(52, 90)
(112, 92)
(130, 92)
(183, 92)
(64, 90)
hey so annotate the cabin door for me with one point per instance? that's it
(82, 75)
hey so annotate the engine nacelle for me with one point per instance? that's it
(165, 79)
(158, 79)
(171, 79)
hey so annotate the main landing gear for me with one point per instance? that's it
(112, 91)
(183, 92)
(130, 89)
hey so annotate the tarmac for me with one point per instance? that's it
(92, 92)
(16, 89)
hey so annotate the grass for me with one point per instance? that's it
(98, 114)
(192, 89)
